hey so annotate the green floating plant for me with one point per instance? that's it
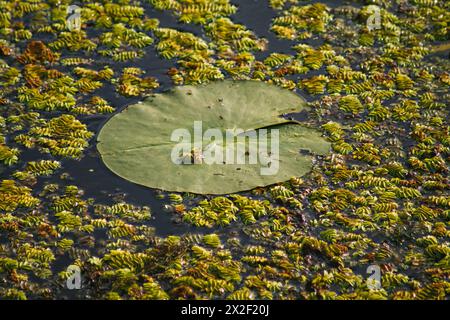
(193, 56)
(380, 197)
(73, 41)
(302, 21)
(227, 35)
(137, 144)
(131, 84)
(279, 4)
(221, 211)
(62, 136)
(13, 196)
(8, 156)
(37, 168)
(196, 11)
(120, 39)
(351, 104)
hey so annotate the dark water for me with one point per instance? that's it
(99, 183)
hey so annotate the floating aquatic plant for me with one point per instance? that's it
(298, 20)
(379, 197)
(197, 11)
(61, 136)
(131, 84)
(140, 133)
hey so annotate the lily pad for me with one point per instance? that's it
(136, 143)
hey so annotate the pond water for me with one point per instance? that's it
(379, 198)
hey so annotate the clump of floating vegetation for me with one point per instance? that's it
(61, 136)
(197, 11)
(221, 211)
(121, 37)
(380, 197)
(131, 84)
(301, 22)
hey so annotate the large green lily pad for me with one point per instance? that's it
(136, 143)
